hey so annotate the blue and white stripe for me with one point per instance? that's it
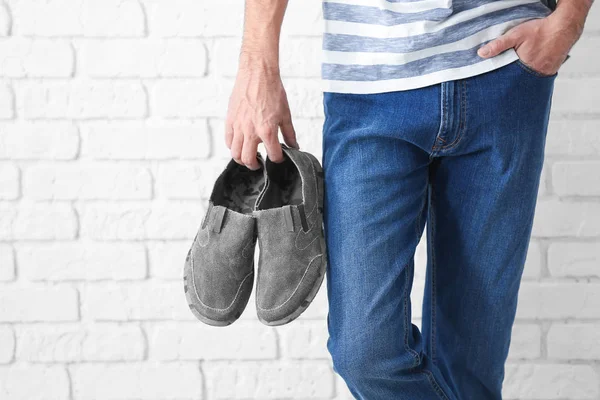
(374, 46)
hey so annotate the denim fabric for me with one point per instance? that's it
(464, 158)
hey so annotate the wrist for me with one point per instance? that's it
(264, 62)
(571, 15)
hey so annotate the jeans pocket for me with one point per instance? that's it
(533, 71)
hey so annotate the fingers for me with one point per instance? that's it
(289, 134)
(497, 46)
(272, 145)
(228, 134)
(236, 146)
(244, 147)
(249, 150)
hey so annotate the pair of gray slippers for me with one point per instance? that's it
(279, 205)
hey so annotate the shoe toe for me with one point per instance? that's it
(217, 302)
(219, 270)
(283, 299)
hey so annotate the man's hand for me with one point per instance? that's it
(258, 107)
(543, 43)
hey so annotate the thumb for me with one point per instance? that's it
(497, 46)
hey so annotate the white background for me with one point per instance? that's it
(111, 136)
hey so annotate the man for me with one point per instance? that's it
(436, 112)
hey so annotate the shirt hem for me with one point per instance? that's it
(393, 85)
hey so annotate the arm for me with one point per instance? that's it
(544, 43)
(572, 13)
(258, 105)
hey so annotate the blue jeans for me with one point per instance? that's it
(464, 158)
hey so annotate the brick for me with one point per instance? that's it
(525, 342)
(33, 382)
(71, 343)
(39, 304)
(263, 380)
(48, 18)
(7, 263)
(559, 300)
(188, 181)
(38, 141)
(342, 392)
(219, 148)
(306, 66)
(189, 18)
(161, 221)
(136, 381)
(166, 259)
(87, 182)
(43, 58)
(80, 100)
(227, 50)
(242, 341)
(533, 264)
(305, 340)
(190, 98)
(136, 302)
(7, 100)
(573, 137)
(133, 58)
(309, 133)
(305, 97)
(576, 178)
(113, 18)
(550, 381)
(574, 259)
(7, 350)
(5, 21)
(555, 218)
(574, 342)
(82, 261)
(9, 182)
(159, 140)
(37, 222)
(577, 96)
(79, 18)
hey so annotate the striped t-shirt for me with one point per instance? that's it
(375, 46)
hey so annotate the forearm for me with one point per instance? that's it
(262, 28)
(572, 13)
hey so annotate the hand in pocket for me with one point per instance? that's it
(542, 44)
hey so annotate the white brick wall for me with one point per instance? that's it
(111, 135)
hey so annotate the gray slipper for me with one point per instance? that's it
(219, 268)
(289, 216)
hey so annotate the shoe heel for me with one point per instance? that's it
(320, 178)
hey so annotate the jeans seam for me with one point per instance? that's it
(463, 118)
(444, 110)
(407, 322)
(433, 276)
(436, 386)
